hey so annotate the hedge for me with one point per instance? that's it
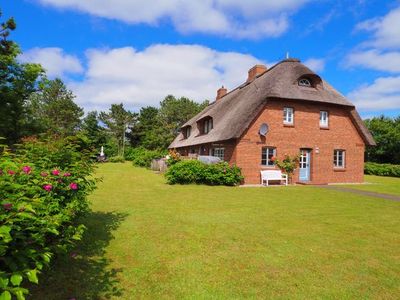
(371, 168)
(141, 157)
(194, 171)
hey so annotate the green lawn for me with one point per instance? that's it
(149, 240)
(386, 185)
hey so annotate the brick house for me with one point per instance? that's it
(286, 109)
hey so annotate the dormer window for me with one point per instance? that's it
(208, 125)
(304, 82)
(186, 132)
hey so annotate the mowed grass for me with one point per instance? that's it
(379, 184)
(149, 240)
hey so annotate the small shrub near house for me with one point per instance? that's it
(194, 171)
(173, 157)
(288, 165)
(43, 192)
(382, 169)
(141, 157)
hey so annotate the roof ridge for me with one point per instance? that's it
(240, 86)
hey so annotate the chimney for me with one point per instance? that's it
(221, 92)
(255, 71)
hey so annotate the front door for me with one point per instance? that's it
(304, 164)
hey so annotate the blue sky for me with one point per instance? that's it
(137, 54)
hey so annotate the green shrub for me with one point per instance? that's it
(141, 157)
(116, 159)
(194, 171)
(382, 169)
(43, 191)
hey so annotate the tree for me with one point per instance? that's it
(17, 82)
(117, 121)
(386, 132)
(54, 110)
(173, 113)
(93, 131)
(6, 46)
(143, 133)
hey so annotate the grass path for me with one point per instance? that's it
(149, 240)
(379, 184)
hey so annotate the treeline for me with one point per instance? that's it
(33, 105)
(152, 128)
(386, 132)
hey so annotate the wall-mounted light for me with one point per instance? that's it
(316, 150)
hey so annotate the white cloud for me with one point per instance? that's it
(54, 60)
(232, 18)
(375, 59)
(315, 64)
(382, 94)
(141, 78)
(386, 30)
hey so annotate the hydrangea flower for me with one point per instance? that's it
(48, 187)
(11, 172)
(73, 186)
(67, 174)
(44, 174)
(55, 172)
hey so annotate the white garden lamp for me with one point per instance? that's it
(102, 151)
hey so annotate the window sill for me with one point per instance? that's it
(324, 127)
(288, 125)
(337, 169)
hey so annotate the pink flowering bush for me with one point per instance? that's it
(43, 191)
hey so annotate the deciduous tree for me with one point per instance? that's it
(54, 109)
(118, 121)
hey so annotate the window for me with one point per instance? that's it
(323, 119)
(219, 152)
(338, 158)
(288, 115)
(268, 156)
(187, 131)
(208, 125)
(305, 82)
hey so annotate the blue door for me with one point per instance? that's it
(304, 164)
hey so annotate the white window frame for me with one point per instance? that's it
(339, 158)
(187, 132)
(266, 156)
(323, 118)
(208, 125)
(305, 82)
(219, 152)
(288, 115)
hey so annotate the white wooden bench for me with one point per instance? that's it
(268, 175)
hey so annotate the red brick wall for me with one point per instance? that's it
(204, 149)
(305, 133)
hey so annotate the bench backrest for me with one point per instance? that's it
(271, 174)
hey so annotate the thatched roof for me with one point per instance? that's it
(233, 113)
